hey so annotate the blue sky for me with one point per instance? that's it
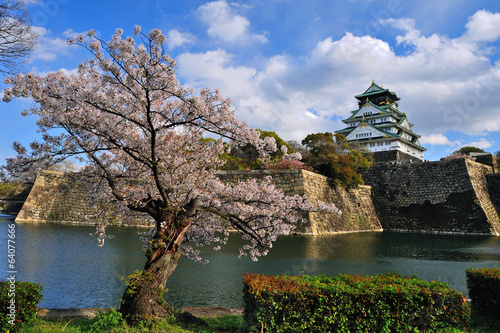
(294, 66)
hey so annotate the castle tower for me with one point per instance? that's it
(380, 127)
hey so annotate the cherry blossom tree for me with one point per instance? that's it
(143, 134)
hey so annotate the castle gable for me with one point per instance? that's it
(373, 87)
(404, 123)
(367, 110)
(365, 131)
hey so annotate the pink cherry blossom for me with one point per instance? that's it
(142, 135)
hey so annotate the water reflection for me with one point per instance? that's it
(77, 273)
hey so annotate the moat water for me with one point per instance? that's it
(76, 273)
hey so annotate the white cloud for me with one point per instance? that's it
(261, 99)
(176, 38)
(68, 72)
(225, 25)
(483, 26)
(435, 139)
(48, 49)
(445, 83)
(69, 33)
(482, 143)
(217, 68)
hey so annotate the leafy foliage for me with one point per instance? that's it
(8, 188)
(335, 159)
(484, 291)
(246, 157)
(18, 304)
(382, 303)
(468, 149)
(107, 320)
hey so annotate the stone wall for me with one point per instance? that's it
(444, 197)
(487, 159)
(39, 203)
(56, 198)
(394, 155)
(494, 189)
(358, 212)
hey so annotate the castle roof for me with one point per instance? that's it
(375, 89)
(378, 119)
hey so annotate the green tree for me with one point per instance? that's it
(296, 146)
(279, 143)
(335, 158)
(246, 157)
(8, 188)
(468, 149)
(319, 143)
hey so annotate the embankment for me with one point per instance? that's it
(58, 198)
(445, 197)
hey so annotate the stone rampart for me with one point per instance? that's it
(494, 189)
(487, 159)
(41, 199)
(358, 212)
(61, 198)
(394, 155)
(444, 197)
(56, 198)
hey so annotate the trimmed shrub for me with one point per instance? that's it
(484, 290)
(18, 304)
(381, 303)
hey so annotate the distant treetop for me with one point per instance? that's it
(468, 149)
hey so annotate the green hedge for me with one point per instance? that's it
(484, 290)
(18, 304)
(382, 303)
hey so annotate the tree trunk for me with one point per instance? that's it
(143, 298)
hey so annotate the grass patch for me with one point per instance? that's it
(230, 323)
(102, 323)
(42, 325)
(224, 324)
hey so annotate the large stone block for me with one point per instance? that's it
(444, 197)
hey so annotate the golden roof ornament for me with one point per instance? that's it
(363, 118)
